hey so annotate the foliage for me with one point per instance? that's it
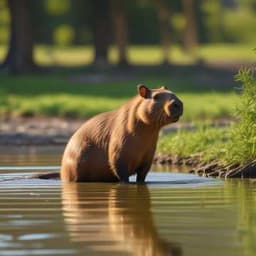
(242, 147)
(63, 35)
(57, 7)
(245, 26)
(215, 21)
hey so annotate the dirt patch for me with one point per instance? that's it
(48, 130)
(37, 130)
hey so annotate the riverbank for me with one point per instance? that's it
(55, 131)
(49, 130)
(37, 130)
(195, 164)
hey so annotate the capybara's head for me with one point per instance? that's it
(159, 106)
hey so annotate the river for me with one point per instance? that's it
(172, 214)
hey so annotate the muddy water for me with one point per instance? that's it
(173, 214)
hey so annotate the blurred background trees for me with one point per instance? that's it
(21, 40)
(25, 24)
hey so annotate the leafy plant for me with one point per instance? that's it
(242, 146)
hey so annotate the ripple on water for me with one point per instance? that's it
(173, 214)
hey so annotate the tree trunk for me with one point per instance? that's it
(19, 58)
(190, 31)
(164, 15)
(101, 31)
(120, 26)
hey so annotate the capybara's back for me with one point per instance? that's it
(114, 145)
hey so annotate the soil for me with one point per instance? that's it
(194, 164)
(48, 130)
(37, 130)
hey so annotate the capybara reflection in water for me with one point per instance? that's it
(114, 145)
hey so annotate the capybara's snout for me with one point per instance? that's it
(175, 107)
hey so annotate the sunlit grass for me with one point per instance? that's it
(207, 106)
(60, 105)
(65, 104)
(229, 145)
(228, 52)
(60, 96)
(205, 140)
(83, 55)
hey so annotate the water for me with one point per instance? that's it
(173, 214)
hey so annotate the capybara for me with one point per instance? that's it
(114, 145)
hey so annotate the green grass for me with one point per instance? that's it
(228, 52)
(209, 141)
(229, 145)
(205, 96)
(208, 105)
(58, 95)
(83, 55)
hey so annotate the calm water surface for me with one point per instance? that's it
(173, 214)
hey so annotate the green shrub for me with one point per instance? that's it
(242, 146)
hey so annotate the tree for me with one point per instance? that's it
(190, 39)
(120, 27)
(164, 15)
(101, 31)
(19, 58)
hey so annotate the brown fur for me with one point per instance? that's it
(115, 145)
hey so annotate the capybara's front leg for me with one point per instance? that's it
(121, 170)
(118, 162)
(142, 172)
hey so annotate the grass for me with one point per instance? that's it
(58, 95)
(242, 147)
(208, 105)
(83, 55)
(229, 145)
(205, 96)
(210, 142)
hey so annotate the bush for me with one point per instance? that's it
(242, 146)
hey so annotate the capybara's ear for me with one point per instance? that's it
(143, 91)
(164, 87)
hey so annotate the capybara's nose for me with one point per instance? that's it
(176, 107)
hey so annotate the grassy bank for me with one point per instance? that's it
(233, 145)
(210, 142)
